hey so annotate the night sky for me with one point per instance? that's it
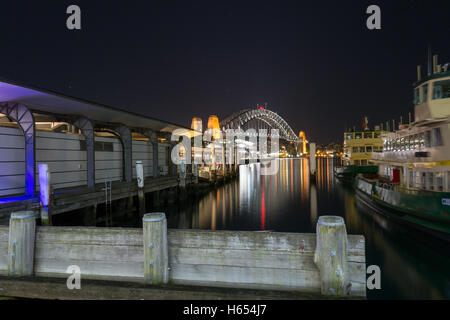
(313, 62)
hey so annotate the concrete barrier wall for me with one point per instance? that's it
(259, 260)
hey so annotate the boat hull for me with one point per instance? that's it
(426, 212)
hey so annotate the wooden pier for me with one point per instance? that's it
(173, 263)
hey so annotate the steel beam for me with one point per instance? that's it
(24, 118)
(87, 129)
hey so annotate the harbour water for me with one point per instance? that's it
(412, 267)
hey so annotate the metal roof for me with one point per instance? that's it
(48, 101)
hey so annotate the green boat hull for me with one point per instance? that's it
(347, 174)
(428, 210)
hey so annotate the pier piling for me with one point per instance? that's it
(156, 253)
(140, 183)
(330, 256)
(44, 191)
(22, 228)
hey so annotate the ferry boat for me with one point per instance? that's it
(358, 148)
(413, 180)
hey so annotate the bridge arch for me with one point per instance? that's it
(271, 118)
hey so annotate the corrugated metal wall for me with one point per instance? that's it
(65, 155)
(12, 161)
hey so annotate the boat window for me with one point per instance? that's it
(421, 139)
(437, 137)
(397, 144)
(369, 149)
(428, 138)
(448, 180)
(415, 141)
(367, 135)
(416, 96)
(440, 181)
(430, 182)
(358, 135)
(424, 93)
(355, 149)
(441, 89)
(411, 178)
(361, 149)
(422, 180)
(402, 144)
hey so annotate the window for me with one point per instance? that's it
(440, 181)
(424, 93)
(358, 135)
(430, 183)
(368, 149)
(397, 144)
(367, 135)
(411, 178)
(409, 142)
(421, 140)
(437, 137)
(415, 141)
(362, 149)
(375, 149)
(441, 89)
(349, 136)
(448, 180)
(355, 149)
(428, 138)
(376, 135)
(363, 162)
(356, 162)
(416, 96)
(422, 180)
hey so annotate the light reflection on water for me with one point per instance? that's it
(288, 202)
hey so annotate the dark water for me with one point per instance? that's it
(412, 267)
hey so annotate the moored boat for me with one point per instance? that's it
(413, 180)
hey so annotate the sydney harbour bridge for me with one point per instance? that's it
(262, 120)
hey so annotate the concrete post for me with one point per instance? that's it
(44, 192)
(331, 256)
(156, 256)
(22, 227)
(140, 184)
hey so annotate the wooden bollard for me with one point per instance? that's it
(156, 255)
(331, 255)
(140, 183)
(22, 226)
(44, 192)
